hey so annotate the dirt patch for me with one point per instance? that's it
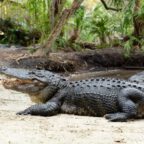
(93, 60)
(21, 58)
(60, 129)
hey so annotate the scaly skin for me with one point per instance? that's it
(118, 100)
(40, 85)
(138, 78)
(39, 92)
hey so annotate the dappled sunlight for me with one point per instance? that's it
(90, 4)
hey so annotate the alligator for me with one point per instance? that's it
(138, 78)
(117, 100)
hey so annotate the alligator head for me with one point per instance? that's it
(41, 85)
(41, 75)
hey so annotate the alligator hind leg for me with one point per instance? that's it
(117, 117)
(128, 100)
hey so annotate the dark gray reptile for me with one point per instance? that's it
(117, 99)
(138, 78)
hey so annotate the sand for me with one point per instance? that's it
(60, 129)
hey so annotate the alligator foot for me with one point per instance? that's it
(24, 112)
(117, 117)
(47, 109)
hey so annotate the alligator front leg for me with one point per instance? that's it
(47, 109)
(129, 100)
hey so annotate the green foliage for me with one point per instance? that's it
(79, 17)
(128, 45)
(39, 15)
(127, 14)
(75, 22)
(141, 12)
(32, 14)
(128, 26)
(116, 3)
(100, 26)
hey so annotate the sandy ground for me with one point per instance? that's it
(60, 129)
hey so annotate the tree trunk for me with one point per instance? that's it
(65, 15)
(55, 11)
(74, 35)
(136, 19)
(138, 23)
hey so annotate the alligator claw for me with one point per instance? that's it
(108, 116)
(25, 112)
(116, 117)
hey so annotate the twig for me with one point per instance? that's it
(109, 8)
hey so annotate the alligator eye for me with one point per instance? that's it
(94, 85)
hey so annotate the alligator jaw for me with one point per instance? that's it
(25, 86)
(39, 84)
(44, 76)
(18, 73)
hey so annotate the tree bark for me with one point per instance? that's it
(136, 19)
(65, 15)
(138, 24)
(55, 11)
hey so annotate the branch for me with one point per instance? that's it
(65, 15)
(109, 8)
